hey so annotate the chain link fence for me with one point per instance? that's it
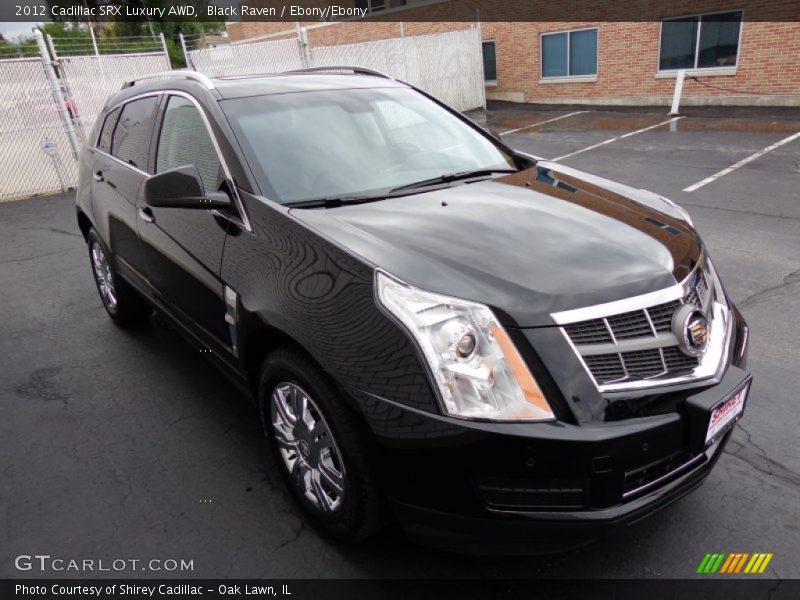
(91, 80)
(93, 70)
(36, 155)
(447, 65)
(274, 56)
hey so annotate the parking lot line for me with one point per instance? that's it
(572, 114)
(614, 139)
(741, 163)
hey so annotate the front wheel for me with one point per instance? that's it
(319, 445)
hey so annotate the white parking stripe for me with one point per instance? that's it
(614, 139)
(572, 114)
(741, 163)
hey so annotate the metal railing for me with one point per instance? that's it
(92, 45)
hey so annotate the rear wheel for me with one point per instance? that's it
(122, 303)
(319, 446)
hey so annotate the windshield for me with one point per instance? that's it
(338, 143)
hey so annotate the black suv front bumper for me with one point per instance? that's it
(524, 532)
(506, 487)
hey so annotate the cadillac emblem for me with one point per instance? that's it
(691, 327)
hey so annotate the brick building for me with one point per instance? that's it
(736, 52)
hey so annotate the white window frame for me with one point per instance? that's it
(490, 81)
(567, 78)
(726, 70)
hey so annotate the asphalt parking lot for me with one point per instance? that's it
(126, 444)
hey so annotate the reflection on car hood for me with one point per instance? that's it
(527, 244)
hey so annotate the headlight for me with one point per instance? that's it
(475, 365)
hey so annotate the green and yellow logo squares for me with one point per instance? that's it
(738, 562)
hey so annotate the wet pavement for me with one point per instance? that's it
(113, 441)
(588, 119)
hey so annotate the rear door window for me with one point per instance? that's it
(131, 140)
(104, 141)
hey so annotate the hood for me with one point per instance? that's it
(528, 244)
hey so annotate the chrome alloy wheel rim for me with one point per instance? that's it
(102, 273)
(307, 447)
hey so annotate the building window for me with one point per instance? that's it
(489, 62)
(707, 41)
(569, 53)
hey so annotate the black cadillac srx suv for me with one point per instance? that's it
(499, 352)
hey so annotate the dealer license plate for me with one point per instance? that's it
(726, 414)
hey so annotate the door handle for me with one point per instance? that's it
(146, 214)
(98, 176)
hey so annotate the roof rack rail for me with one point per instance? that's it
(356, 70)
(185, 74)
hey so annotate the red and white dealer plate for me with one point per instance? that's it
(726, 414)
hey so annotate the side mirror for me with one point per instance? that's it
(182, 188)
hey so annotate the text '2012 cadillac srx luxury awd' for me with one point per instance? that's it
(498, 352)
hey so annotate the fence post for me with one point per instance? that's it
(480, 48)
(51, 46)
(55, 87)
(305, 48)
(77, 125)
(94, 41)
(676, 96)
(406, 64)
(164, 46)
(186, 56)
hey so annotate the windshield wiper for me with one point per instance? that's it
(403, 190)
(451, 177)
(335, 201)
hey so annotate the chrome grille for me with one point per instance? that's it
(605, 367)
(661, 315)
(589, 332)
(676, 360)
(643, 363)
(699, 293)
(630, 325)
(638, 344)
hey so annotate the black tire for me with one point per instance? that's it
(361, 512)
(127, 307)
